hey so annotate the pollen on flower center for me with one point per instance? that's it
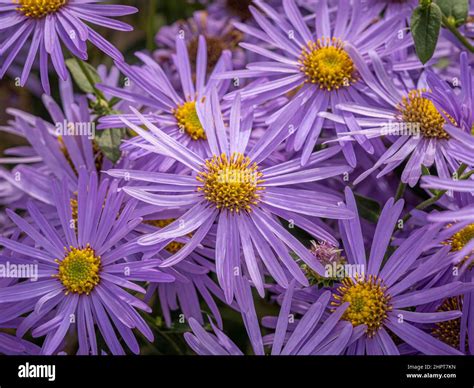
(369, 303)
(79, 270)
(449, 331)
(460, 239)
(326, 63)
(231, 183)
(422, 115)
(39, 8)
(188, 120)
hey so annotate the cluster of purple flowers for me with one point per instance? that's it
(288, 152)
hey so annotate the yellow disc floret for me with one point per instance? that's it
(231, 183)
(39, 8)
(449, 331)
(460, 239)
(327, 64)
(368, 302)
(188, 120)
(79, 270)
(421, 113)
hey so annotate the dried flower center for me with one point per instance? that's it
(421, 114)
(188, 120)
(231, 183)
(449, 331)
(39, 8)
(79, 270)
(326, 63)
(369, 303)
(327, 255)
(173, 246)
(215, 46)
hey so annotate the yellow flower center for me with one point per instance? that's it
(79, 270)
(173, 246)
(326, 63)
(423, 116)
(188, 120)
(460, 239)
(39, 8)
(449, 331)
(369, 303)
(231, 183)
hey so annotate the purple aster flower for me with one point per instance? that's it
(13, 346)
(56, 148)
(317, 332)
(386, 295)
(428, 124)
(219, 34)
(48, 24)
(173, 110)
(193, 275)
(323, 67)
(204, 343)
(82, 270)
(235, 186)
(458, 234)
(33, 84)
(456, 239)
(207, 344)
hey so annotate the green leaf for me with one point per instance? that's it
(368, 208)
(454, 9)
(82, 79)
(425, 170)
(425, 26)
(109, 141)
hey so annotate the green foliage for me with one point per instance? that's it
(455, 10)
(83, 78)
(368, 208)
(425, 27)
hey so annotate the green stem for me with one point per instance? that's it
(152, 323)
(400, 191)
(97, 92)
(467, 175)
(451, 27)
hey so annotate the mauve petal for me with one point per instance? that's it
(418, 339)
